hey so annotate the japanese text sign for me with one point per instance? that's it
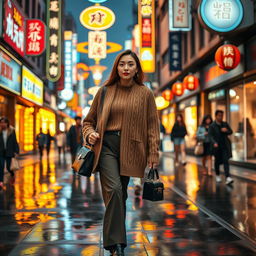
(10, 72)
(146, 16)
(97, 48)
(53, 52)
(14, 27)
(221, 15)
(68, 64)
(97, 18)
(32, 87)
(179, 15)
(175, 51)
(35, 37)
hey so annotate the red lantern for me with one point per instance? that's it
(191, 82)
(167, 95)
(227, 57)
(178, 88)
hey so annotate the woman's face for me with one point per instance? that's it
(127, 67)
(179, 118)
(208, 121)
(3, 124)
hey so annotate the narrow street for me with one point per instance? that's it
(48, 211)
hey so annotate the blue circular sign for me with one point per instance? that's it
(221, 15)
(97, 1)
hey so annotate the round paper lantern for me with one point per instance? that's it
(227, 57)
(191, 82)
(167, 94)
(178, 88)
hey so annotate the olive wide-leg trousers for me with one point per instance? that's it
(114, 190)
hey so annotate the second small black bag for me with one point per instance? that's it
(153, 189)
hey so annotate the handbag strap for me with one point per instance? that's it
(151, 174)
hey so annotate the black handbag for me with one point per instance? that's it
(83, 164)
(153, 189)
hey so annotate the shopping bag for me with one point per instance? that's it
(14, 164)
(199, 149)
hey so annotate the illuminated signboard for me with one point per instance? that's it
(53, 52)
(221, 15)
(175, 63)
(14, 27)
(35, 37)
(74, 57)
(68, 66)
(97, 1)
(97, 18)
(146, 15)
(179, 15)
(32, 87)
(10, 72)
(97, 48)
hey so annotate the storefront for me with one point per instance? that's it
(10, 79)
(188, 109)
(46, 119)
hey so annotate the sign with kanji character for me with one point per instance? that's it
(180, 15)
(32, 86)
(146, 19)
(175, 63)
(97, 48)
(221, 15)
(97, 18)
(53, 44)
(14, 27)
(35, 37)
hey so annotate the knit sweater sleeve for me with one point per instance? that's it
(153, 130)
(90, 121)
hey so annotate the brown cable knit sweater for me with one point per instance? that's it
(117, 108)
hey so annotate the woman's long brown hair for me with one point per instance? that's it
(114, 77)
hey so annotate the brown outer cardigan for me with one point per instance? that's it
(140, 134)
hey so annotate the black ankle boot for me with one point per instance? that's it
(119, 250)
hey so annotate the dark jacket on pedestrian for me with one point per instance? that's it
(41, 139)
(221, 138)
(12, 146)
(72, 137)
(178, 131)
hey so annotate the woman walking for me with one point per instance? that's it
(8, 147)
(202, 135)
(178, 133)
(125, 141)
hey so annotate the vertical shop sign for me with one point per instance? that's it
(35, 37)
(175, 51)
(179, 15)
(146, 16)
(74, 57)
(97, 45)
(14, 27)
(53, 52)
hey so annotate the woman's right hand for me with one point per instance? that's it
(93, 137)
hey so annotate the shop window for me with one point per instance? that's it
(250, 121)
(46, 120)
(236, 109)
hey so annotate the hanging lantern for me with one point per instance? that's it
(191, 82)
(167, 95)
(227, 57)
(178, 88)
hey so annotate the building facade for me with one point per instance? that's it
(231, 91)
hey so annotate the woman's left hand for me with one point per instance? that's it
(152, 165)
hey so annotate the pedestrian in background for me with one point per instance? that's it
(126, 140)
(9, 147)
(202, 134)
(49, 139)
(178, 133)
(61, 143)
(41, 142)
(218, 133)
(75, 138)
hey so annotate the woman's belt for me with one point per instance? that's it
(117, 133)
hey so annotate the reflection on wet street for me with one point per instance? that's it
(48, 211)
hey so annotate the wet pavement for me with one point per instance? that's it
(48, 211)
